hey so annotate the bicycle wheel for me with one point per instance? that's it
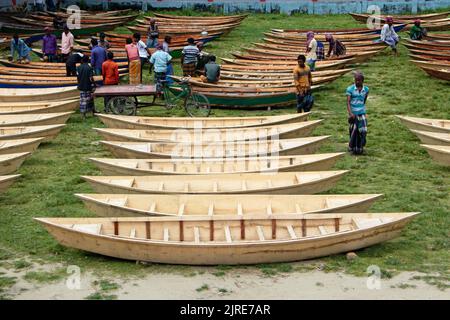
(122, 105)
(197, 105)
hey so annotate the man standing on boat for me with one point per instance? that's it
(152, 34)
(86, 84)
(19, 46)
(303, 83)
(356, 107)
(67, 43)
(49, 45)
(389, 36)
(98, 56)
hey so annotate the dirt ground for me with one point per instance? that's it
(242, 284)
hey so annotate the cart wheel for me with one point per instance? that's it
(122, 105)
(197, 105)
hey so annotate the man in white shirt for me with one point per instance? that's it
(67, 43)
(144, 51)
(389, 36)
(311, 51)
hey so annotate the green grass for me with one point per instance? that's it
(394, 165)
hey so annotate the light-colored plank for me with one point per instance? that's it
(322, 230)
(291, 231)
(196, 235)
(239, 209)
(228, 234)
(181, 209)
(269, 209)
(152, 207)
(166, 234)
(297, 208)
(211, 209)
(260, 232)
(133, 233)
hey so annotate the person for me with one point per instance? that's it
(417, 32)
(311, 50)
(98, 56)
(49, 46)
(189, 58)
(389, 36)
(159, 61)
(356, 107)
(19, 46)
(50, 5)
(102, 42)
(152, 34)
(58, 22)
(202, 59)
(71, 63)
(134, 63)
(86, 84)
(166, 48)
(303, 83)
(212, 71)
(110, 73)
(320, 52)
(335, 47)
(39, 5)
(144, 52)
(67, 43)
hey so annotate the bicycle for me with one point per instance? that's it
(196, 104)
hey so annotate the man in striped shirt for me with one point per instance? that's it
(189, 58)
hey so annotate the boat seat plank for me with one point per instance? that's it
(152, 207)
(120, 202)
(211, 209)
(297, 208)
(88, 228)
(228, 234)
(166, 234)
(181, 209)
(133, 233)
(322, 230)
(161, 186)
(260, 232)
(291, 231)
(239, 209)
(196, 235)
(269, 209)
(186, 187)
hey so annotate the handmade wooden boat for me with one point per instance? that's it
(321, 37)
(42, 94)
(437, 64)
(283, 131)
(224, 240)
(300, 44)
(437, 36)
(10, 163)
(137, 167)
(295, 48)
(47, 132)
(440, 154)
(397, 28)
(38, 107)
(140, 122)
(11, 120)
(309, 182)
(14, 81)
(167, 150)
(162, 21)
(7, 181)
(426, 44)
(200, 18)
(19, 146)
(133, 205)
(170, 30)
(278, 66)
(85, 30)
(86, 20)
(440, 73)
(425, 124)
(362, 17)
(46, 65)
(261, 75)
(41, 73)
(435, 54)
(433, 138)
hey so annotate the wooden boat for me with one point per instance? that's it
(432, 64)
(200, 18)
(321, 37)
(133, 205)
(297, 49)
(261, 75)
(437, 36)
(7, 181)
(283, 131)
(139, 122)
(10, 163)
(397, 28)
(40, 72)
(309, 182)
(425, 124)
(409, 18)
(441, 73)
(300, 44)
(440, 154)
(165, 22)
(170, 30)
(433, 45)
(14, 81)
(161, 150)
(20, 145)
(88, 20)
(38, 107)
(137, 167)
(42, 94)
(46, 65)
(277, 66)
(432, 54)
(11, 120)
(224, 240)
(47, 132)
(11, 28)
(433, 138)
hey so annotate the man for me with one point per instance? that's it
(160, 60)
(417, 32)
(144, 52)
(303, 83)
(86, 83)
(152, 34)
(189, 58)
(356, 107)
(202, 59)
(49, 45)
(335, 47)
(98, 56)
(67, 43)
(212, 71)
(103, 42)
(71, 63)
(58, 23)
(23, 51)
(134, 63)
(166, 48)
(389, 36)
(110, 73)
(39, 5)
(311, 50)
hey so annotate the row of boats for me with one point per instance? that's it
(242, 206)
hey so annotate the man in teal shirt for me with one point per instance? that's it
(19, 46)
(357, 118)
(159, 61)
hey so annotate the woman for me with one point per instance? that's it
(335, 47)
(356, 107)
(134, 62)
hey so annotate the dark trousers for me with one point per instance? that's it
(143, 62)
(71, 71)
(305, 101)
(357, 132)
(159, 76)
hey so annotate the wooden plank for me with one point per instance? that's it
(242, 229)
(211, 209)
(181, 209)
(297, 178)
(260, 232)
(356, 223)
(269, 209)
(153, 207)
(116, 228)
(336, 224)
(181, 231)
(133, 233)
(161, 186)
(215, 186)
(228, 234)
(292, 232)
(303, 227)
(196, 235)
(166, 234)
(322, 230)
(186, 187)
(274, 229)
(244, 185)
(147, 230)
(211, 230)
(239, 209)
(297, 208)
(269, 183)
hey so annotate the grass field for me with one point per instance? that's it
(394, 164)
